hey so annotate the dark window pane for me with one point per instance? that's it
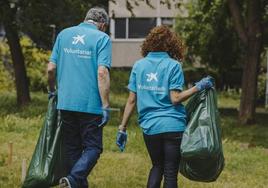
(140, 27)
(120, 28)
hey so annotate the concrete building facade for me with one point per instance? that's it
(128, 31)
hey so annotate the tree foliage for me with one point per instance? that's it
(211, 40)
(209, 34)
(34, 18)
(228, 35)
(38, 16)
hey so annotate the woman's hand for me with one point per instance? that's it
(121, 138)
(205, 83)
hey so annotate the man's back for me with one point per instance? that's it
(77, 53)
(80, 61)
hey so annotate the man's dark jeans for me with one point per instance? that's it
(82, 143)
(164, 151)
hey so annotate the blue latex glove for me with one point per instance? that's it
(51, 94)
(205, 83)
(121, 140)
(105, 117)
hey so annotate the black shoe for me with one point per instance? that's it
(64, 183)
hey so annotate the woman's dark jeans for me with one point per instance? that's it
(164, 151)
(82, 142)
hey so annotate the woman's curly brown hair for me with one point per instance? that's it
(162, 39)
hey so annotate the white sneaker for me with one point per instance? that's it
(64, 183)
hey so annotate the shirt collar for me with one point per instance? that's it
(157, 54)
(88, 25)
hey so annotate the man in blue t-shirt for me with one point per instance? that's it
(80, 63)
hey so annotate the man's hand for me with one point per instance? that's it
(105, 117)
(51, 72)
(205, 83)
(51, 94)
(121, 140)
(104, 89)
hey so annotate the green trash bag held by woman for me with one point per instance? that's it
(201, 148)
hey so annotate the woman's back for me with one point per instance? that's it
(151, 79)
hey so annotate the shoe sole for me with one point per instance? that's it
(64, 183)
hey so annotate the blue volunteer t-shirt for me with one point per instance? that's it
(77, 53)
(151, 79)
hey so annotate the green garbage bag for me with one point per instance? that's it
(201, 148)
(45, 168)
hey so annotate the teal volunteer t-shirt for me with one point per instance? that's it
(151, 79)
(77, 53)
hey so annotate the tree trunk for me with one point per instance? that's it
(21, 81)
(249, 83)
(250, 72)
(252, 39)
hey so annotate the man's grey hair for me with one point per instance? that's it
(97, 14)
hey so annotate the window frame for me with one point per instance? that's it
(159, 21)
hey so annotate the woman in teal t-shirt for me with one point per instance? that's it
(156, 86)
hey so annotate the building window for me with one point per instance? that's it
(133, 28)
(140, 27)
(120, 28)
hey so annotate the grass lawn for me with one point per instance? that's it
(245, 148)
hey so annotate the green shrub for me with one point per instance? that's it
(36, 62)
(6, 78)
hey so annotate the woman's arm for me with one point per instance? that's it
(130, 105)
(177, 96)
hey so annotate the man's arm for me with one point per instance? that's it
(51, 72)
(104, 85)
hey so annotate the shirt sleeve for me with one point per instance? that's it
(176, 80)
(105, 52)
(132, 80)
(55, 52)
